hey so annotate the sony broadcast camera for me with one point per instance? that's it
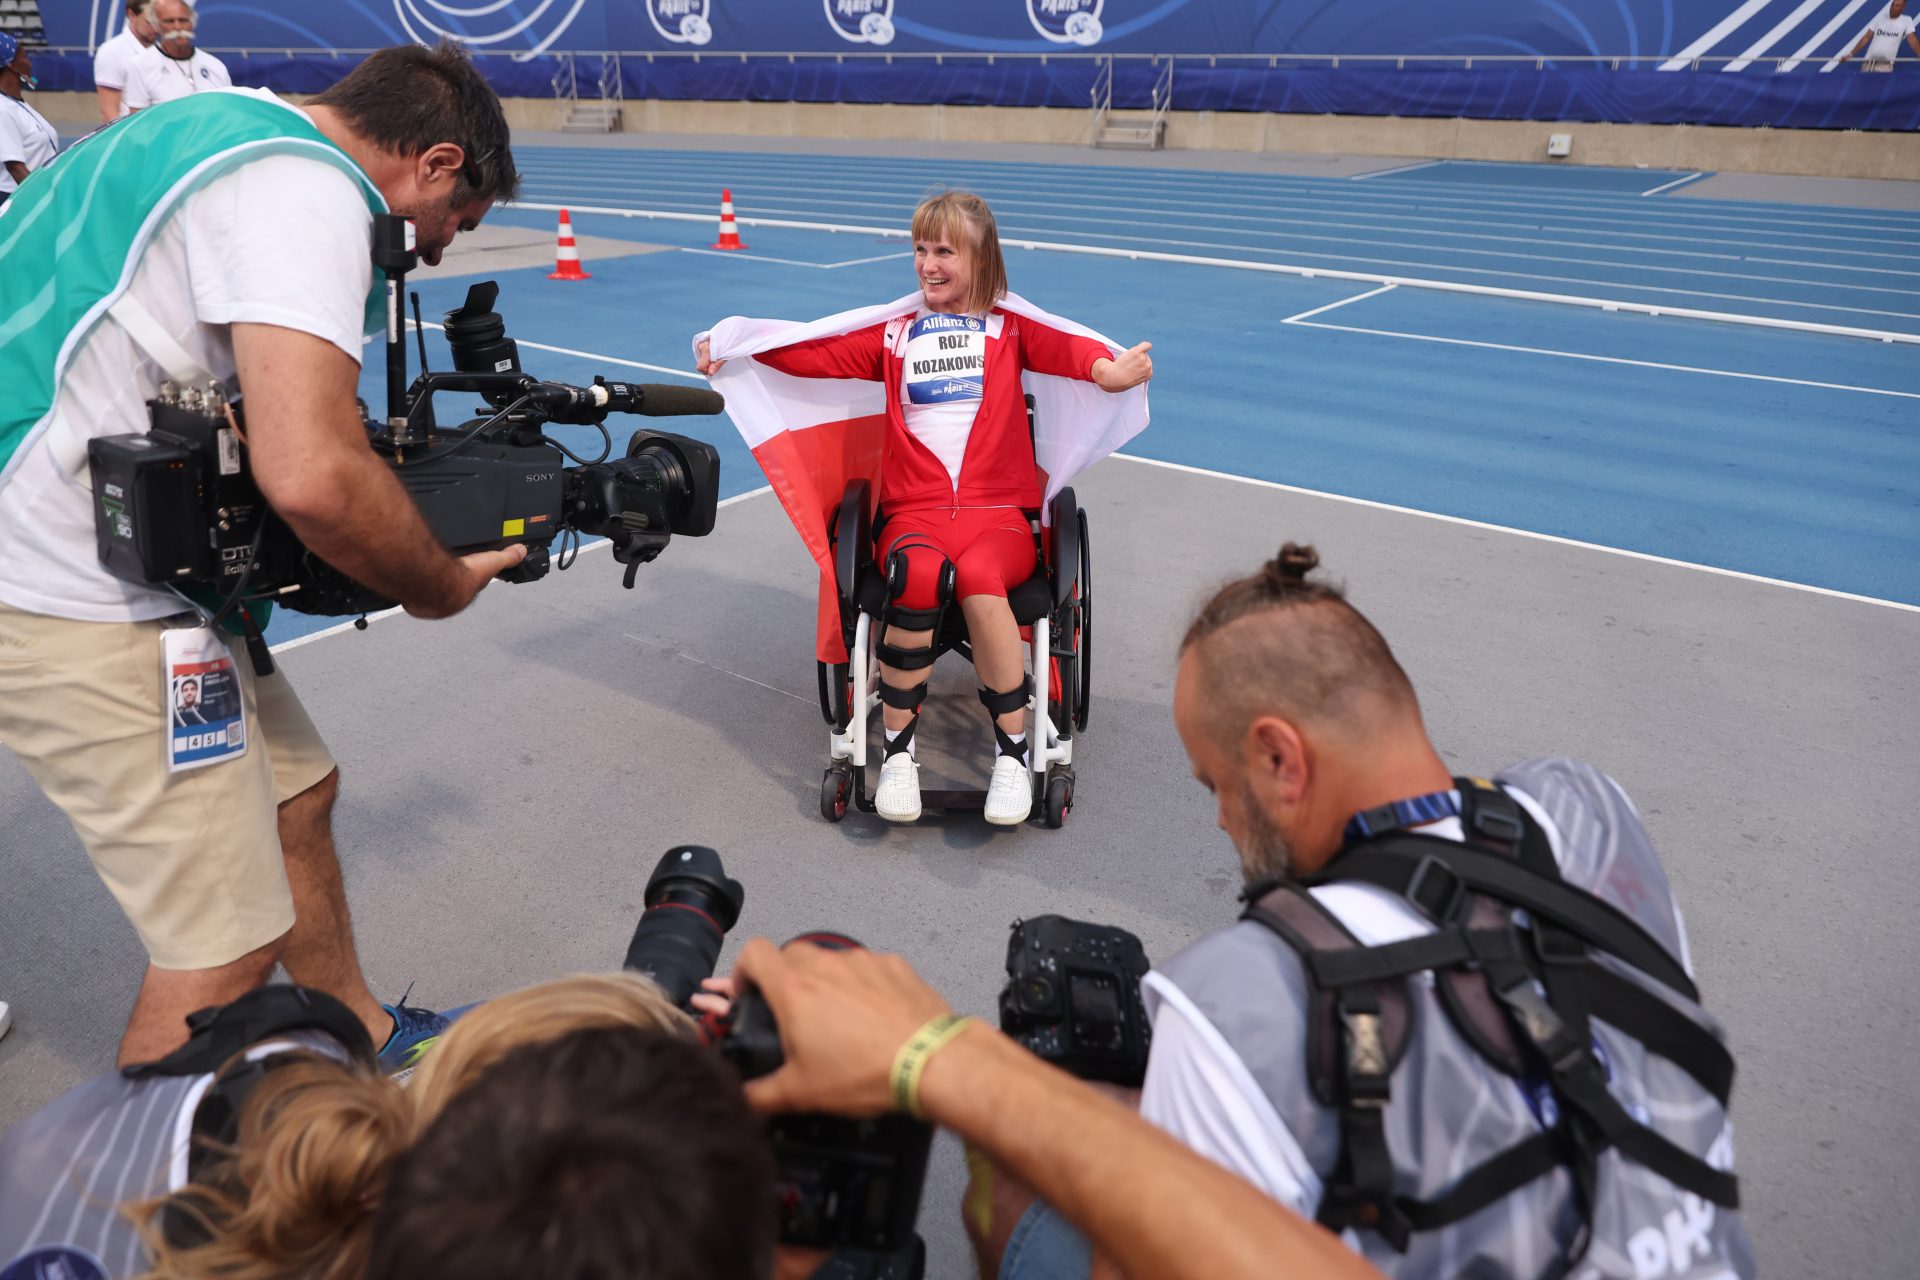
(178, 507)
(852, 1186)
(1073, 997)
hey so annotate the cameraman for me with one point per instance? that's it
(223, 236)
(1362, 1083)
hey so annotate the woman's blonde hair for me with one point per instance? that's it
(963, 218)
(295, 1196)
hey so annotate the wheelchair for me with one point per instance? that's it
(1055, 605)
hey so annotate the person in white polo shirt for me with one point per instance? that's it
(113, 61)
(1882, 38)
(172, 68)
(27, 141)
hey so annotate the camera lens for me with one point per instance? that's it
(691, 903)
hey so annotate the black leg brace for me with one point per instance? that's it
(999, 704)
(893, 615)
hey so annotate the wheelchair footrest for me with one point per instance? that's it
(953, 801)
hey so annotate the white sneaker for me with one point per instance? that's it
(6, 1018)
(898, 797)
(1010, 793)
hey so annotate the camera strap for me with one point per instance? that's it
(68, 446)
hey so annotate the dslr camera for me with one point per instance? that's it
(178, 506)
(1073, 997)
(845, 1185)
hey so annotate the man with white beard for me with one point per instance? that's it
(173, 67)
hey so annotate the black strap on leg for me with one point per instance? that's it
(999, 703)
(903, 700)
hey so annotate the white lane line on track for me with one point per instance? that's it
(1358, 297)
(1447, 230)
(1525, 533)
(1381, 173)
(1668, 186)
(309, 638)
(1738, 215)
(793, 262)
(594, 356)
(1598, 359)
(1338, 273)
(687, 657)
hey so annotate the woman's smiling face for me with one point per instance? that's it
(946, 273)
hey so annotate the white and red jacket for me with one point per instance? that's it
(819, 405)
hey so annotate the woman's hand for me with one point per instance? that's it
(704, 361)
(1129, 371)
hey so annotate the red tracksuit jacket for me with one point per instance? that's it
(998, 469)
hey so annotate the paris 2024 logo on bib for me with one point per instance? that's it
(1067, 21)
(682, 21)
(861, 21)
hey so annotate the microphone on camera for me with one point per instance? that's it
(649, 399)
(663, 400)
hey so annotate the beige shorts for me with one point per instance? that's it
(193, 857)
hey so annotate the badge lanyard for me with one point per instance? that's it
(205, 708)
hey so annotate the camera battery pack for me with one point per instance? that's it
(147, 490)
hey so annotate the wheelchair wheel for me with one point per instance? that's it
(1083, 608)
(836, 792)
(1059, 800)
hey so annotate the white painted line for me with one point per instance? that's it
(1358, 297)
(687, 657)
(1677, 182)
(1329, 273)
(1758, 48)
(1381, 173)
(1581, 355)
(1820, 37)
(592, 355)
(1714, 35)
(309, 638)
(818, 266)
(1524, 533)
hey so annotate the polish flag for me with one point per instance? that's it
(814, 436)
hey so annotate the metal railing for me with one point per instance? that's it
(1102, 97)
(566, 82)
(1162, 99)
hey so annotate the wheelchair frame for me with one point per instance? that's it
(1056, 603)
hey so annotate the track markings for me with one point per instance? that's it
(1677, 182)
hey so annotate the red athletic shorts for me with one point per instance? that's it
(991, 549)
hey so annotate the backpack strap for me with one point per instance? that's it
(1360, 1019)
(219, 1033)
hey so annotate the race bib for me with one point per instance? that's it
(206, 714)
(946, 359)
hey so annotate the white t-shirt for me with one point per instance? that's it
(1888, 31)
(154, 78)
(25, 138)
(943, 381)
(286, 241)
(113, 62)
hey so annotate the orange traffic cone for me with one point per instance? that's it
(568, 265)
(729, 232)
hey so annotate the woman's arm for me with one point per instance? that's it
(860, 354)
(1066, 355)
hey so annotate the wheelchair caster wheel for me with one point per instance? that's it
(836, 792)
(1059, 800)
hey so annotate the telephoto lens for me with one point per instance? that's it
(691, 903)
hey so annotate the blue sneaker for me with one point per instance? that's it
(415, 1031)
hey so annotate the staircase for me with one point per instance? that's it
(1133, 130)
(594, 115)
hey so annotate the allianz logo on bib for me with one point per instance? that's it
(945, 324)
(861, 21)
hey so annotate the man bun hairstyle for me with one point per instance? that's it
(408, 98)
(1277, 641)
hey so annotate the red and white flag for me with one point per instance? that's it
(814, 436)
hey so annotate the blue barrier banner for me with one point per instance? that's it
(1801, 100)
(1663, 33)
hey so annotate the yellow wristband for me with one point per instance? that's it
(912, 1059)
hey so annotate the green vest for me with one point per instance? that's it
(72, 235)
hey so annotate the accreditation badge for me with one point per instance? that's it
(206, 712)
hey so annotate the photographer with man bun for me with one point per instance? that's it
(1457, 1021)
(224, 237)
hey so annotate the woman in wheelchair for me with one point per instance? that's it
(957, 477)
